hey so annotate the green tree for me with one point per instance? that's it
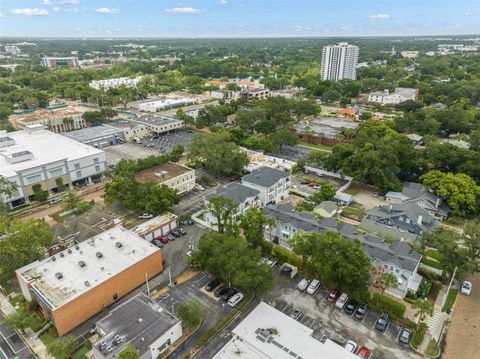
(316, 158)
(190, 313)
(156, 198)
(230, 258)
(365, 116)
(176, 152)
(38, 193)
(254, 223)
(386, 280)
(423, 307)
(18, 320)
(7, 188)
(325, 193)
(284, 136)
(459, 190)
(21, 244)
(218, 153)
(223, 209)
(471, 240)
(71, 200)
(129, 352)
(62, 348)
(59, 183)
(334, 260)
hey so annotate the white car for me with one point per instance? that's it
(351, 346)
(145, 216)
(313, 287)
(237, 298)
(466, 288)
(341, 301)
(200, 187)
(268, 261)
(303, 284)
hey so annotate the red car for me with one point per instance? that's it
(333, 295)
(363, 352)
(163, 239)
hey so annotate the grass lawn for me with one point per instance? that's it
(451, 297)
(315, 147)
(433, 253)
(82, 351)
(431, 348)
(355, 209)
(48, 336)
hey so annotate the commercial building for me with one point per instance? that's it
(339, 62)
(140, 322)
(160, 124)
(409, 54)
(130, 129)
(114, 83)
(324, 131)
(59, 118)
(273, 184)
(81, 281)
(251, 94)
(97, 136)
(12, 49)
(37, 156)
(267, 333)
(400, 94)
(156, 227)
(164, 104)
(173, 175)
(258, 160)
(53, 62)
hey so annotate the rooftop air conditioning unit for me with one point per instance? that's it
(59, 275)
(119, 245)
(82, 264)
(99, 255)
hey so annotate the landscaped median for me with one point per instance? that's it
(451, 298)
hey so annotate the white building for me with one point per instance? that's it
(114, 83)
(244, 197)
(409, 54)
(161, 105)
(400, 94)
(160, 124)
(12, 49)
(339, 62)
(140, 322)
(267, 333)
(273, 184)
(37, 156)
(52, 62)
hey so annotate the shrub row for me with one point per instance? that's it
(284, 255)
(418, 336)
(394, 308)
(428, 274)
(432, 263)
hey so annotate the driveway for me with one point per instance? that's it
(327, 321)
(464, 331)
(11, 344)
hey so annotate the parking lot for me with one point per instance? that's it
(11, 344)
(298, 178)
(292, 153)
(329, 322)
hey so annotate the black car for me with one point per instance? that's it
(212, 285)
(382, 322)
(361, 311)
(157, 243)
(405, 336)
(176, 232)
(228, 294)
(286, 271)
(296, 314)
(220, 291)
(350, 307)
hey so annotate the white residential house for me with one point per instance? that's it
(244, 197)
(400, 94)
(273, 184)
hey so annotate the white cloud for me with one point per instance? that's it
(77, 28)
(28, 11)
(185, 10)
(379, 17)
(106, 10)
(71, 10)
(56, 8)
(68, 2)
(1, 15)
(46, 2)
(468, 13)
(223, 2)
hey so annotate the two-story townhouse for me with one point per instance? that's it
(273, 184)
(398, 258)
(401, 221)
(244, 197)
(417, 193)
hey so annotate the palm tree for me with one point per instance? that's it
(270, 223)
(424, 308)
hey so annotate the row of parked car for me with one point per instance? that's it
(174, 233)
(358, 310)
(226, 293)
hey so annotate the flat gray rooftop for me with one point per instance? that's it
(92, 133)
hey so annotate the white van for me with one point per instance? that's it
(237, 298)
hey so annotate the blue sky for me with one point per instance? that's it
(237, 18)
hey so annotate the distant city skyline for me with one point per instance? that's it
(237, 18)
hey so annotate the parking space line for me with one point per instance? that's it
(6, 342)
(398, 335)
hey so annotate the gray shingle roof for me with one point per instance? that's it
(398, 253)
(235, 191)
(265, 176)
(411, 210)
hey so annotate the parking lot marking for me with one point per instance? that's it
(398, 335)
(6, 342)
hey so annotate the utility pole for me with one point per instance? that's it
(148, 286)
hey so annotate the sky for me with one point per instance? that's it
(237, 18)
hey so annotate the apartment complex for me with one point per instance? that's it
(81, 281)
(37, 156)
(114, 83)
(164, 104)
(273, 184)
(53, 62)
(173, 175)
(400, 94)
(339, 62)
(140, 322)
